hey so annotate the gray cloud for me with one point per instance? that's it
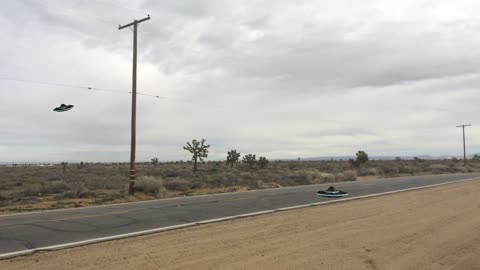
(276, 78)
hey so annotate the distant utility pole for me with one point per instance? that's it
(135, 23)
(464, 152)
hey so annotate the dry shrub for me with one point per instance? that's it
(178, 184)
(111, 182)
(78, 190)
(316, 175)
(32, 190)
(471, 169)
(369, 171)
(46, 188)
(468, 169)
(270, 185)
(461, 169)
(439, 168)
(327, 178)
(300, 178)
(55, 187)
(257, 184)
(227, 179)
(390, 171)
(149, 185)
(348, 175)
(407, 170)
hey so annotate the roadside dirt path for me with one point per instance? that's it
(437, 228)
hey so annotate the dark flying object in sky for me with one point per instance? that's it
(63, 108)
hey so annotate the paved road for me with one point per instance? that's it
(40, 229)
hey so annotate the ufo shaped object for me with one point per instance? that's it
(331, 192)
(63, 108)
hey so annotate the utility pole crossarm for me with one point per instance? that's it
(120, 27)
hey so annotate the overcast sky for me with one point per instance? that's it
(283, 79)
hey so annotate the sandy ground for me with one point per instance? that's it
(437, 228)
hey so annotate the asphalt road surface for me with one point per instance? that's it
(40, 229)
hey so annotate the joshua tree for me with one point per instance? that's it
(418, 159)
(262, 162)
(64, 164)
(250, 160)
(198, 149)
(232, 157)
(154, 162)
(362, 157)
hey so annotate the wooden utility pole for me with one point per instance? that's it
(131, 183)
(464, 151)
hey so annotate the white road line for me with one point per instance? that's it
(186, 225)
(217, 220)
(293, 207)
(256, 214)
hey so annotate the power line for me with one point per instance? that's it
(75, 86)
(91, 88)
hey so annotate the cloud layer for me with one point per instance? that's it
(277, 78)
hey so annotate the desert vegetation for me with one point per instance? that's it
(24, 187)
(232, 157)
(199, 151)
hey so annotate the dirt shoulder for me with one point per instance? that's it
(435, 228)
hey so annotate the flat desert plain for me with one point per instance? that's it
(435, 228)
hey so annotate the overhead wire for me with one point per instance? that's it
(92, 88)
(76, 86)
